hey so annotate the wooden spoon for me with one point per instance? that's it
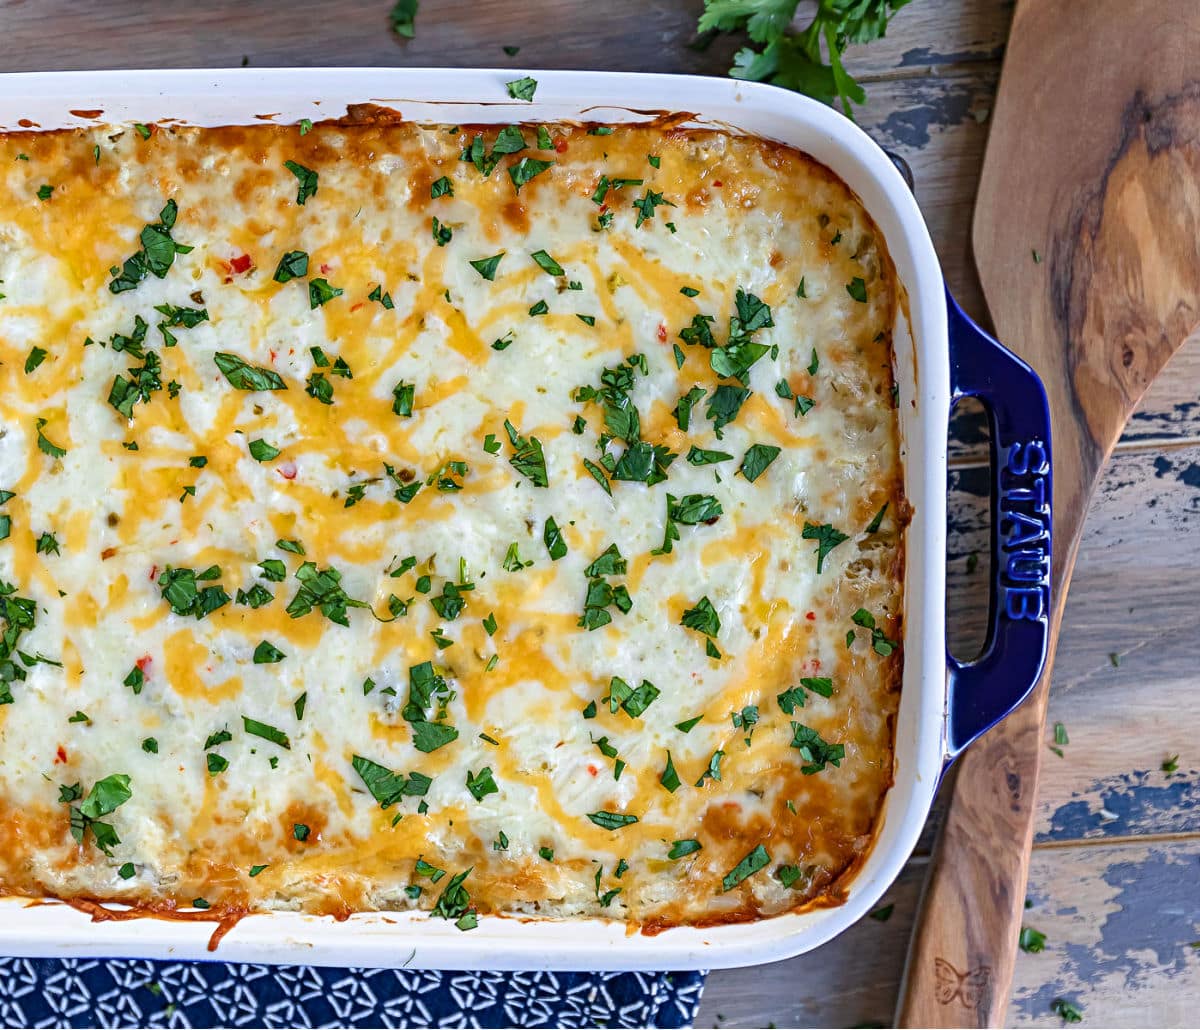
(1087, 239)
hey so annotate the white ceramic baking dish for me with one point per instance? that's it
(939, 357)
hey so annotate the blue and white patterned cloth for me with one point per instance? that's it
(130, 992)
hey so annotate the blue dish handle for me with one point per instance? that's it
(984, 691)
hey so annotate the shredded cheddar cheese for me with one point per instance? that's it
(471, 519)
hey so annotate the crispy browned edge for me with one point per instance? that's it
(836, 893)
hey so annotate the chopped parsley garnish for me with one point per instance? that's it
(546, 263)
(180, 590)
(150, 746)
(105, 797)
(1031, 940)
(266, 731)
(47, 543)
(320, 292)
(300, 831)
(611, 820)
(682, 848)
(814, 363)
(527, 457)
(260, 450)
(755, 861)
(380, 297)
(291, 546)
(322, 589)
(442, 187)
(403, 395)
(442, 233)
(247, 377)
(267, 653)
(877, 521)
(816, 752)
(293, 265)
(135, 680)
(827, 539)
(553, 539)
(688, 724)
(389, 787)
(306, 124)
(157, 253)
(634, 702)
(526, 169)
(713, 772)
(486, 267)
(454, 903)
(216, 763)
(669, 778)
(319, 388)
(646, 205)
(44, 192)
(757, 458)
(306, 178)
(700, 456)
(703, 618)
(35, 358)
(481, 785)
(800, 291)
(857, 289)
(522, 89)
(1066, 1010)
(540, 308)
(880, 643)
(723, 406)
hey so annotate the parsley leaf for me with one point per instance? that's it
(794, 60)
(247, 377)
(525, 169)
(527, 457)
(486, 267)
(522, 89)
(757, 458)
(293, 265)
(755, 861)
(307, 179)
(481, 785)
(827, 539)
(815, 751)
(703, 618)
(611, 820)
(266, 731)
(402, 18)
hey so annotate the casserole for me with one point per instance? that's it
(921, 749)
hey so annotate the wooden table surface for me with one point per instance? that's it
(1115, 879)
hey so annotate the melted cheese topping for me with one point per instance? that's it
(675, 762)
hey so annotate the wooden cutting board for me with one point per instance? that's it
(1087, 240)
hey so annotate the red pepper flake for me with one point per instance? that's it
(593, 770)
(662, 333)
(272, 353)
(355, 307)
(325, 269)
(811, 616)
(153, 571)
(107, 553)
(143, 663)
(718, 183)
(560, 145)
(240, 264)
(287, 469)
(603, 208)
(61, 755)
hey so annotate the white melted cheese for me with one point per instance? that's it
(747, 216)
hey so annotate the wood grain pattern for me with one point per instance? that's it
(1093, 151)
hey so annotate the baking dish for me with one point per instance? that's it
(940, 356)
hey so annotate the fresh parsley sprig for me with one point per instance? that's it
(807, 61)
